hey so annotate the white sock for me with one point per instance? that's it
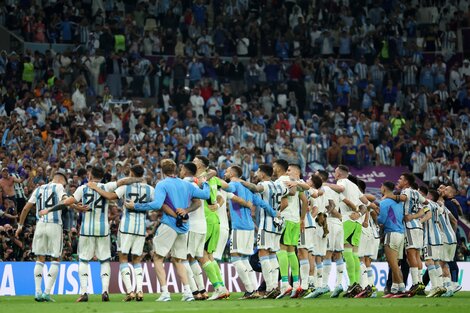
(105, 276)
(447, 282)
(126, 276)
(187, 289)
(198, 278)
(38, 268)
(432, 275)
(420, 276)
(51, 277)
(394, 288)
(139, 277)
(440, 281)
(251, 273)
(364, 278)
(190, 274)
(165, 289)
(370, 276)
(266, 270)
(401, 287)
(414, 275)
(304, 270)
(311, 280)
(274, 270)
(339, 272)
(326, 272)
(83, 273)
(319, 275)
(242, 273)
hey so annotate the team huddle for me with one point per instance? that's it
(296, 228)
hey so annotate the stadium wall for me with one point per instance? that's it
(17, 278)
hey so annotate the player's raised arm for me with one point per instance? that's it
(252, 187)
(128, 181)
(105, 194)
(156, 204)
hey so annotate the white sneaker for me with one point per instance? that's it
(434, 292)
(187, 297)
(457, 288)
(285, 290)
(164, 297)
(221, 293)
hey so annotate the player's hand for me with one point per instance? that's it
(407, 218)
(92, 185)
(354, 216)
(80, 207)
(43, 212)
(201, 181)
(181, 212)
(130, 205)
(18, 231)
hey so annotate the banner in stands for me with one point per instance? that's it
(17, 278)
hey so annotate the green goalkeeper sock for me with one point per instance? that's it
(216, 267)
(210, 272)
(283, 265)
(357, 265)
(294, 266)
(350, 265)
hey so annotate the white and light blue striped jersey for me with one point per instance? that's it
(412, 205)
(272, 194)
(133, 222)
(432, 231)
(45, 197)
(448, 233)
(309, 221)
(94, 222)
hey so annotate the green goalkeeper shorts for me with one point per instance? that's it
(291, 234)
(352, 233)
(212, 237)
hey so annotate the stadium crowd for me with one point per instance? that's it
(241, 82)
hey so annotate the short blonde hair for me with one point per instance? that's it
(168, 166)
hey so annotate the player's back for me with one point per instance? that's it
(133, 222)
(45, 197)
(95, 221)
(240, 215)
(272, 194)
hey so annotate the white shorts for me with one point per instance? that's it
(268, 241)
(431, 252)
(47, 240)
(366, 241)
(306, 239)
(223, 239)
(395, 241)
(448, 252)
(196, 243)
(320, 244)
(335, 238)
(88, 247)
(414, 238)
(130, 244)
(167, 240)
(241, 241)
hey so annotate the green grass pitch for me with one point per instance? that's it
(66, 304)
